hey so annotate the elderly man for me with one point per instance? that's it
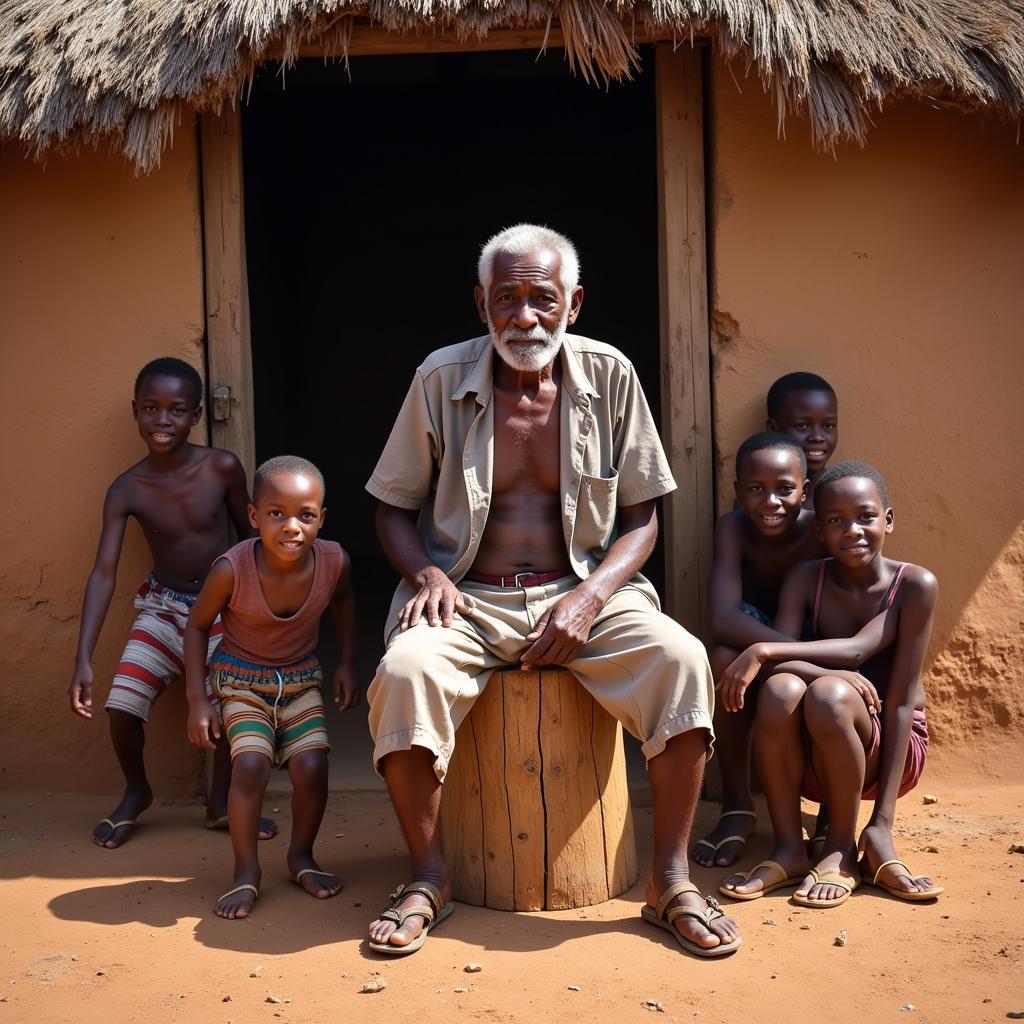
(517, 500)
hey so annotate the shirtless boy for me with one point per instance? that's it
(272, 591)
(756, 545)
(184, 497)
(841, 736)
(804, 406)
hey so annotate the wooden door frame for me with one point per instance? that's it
(683, 290)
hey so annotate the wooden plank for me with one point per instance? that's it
(521, 695)
(462, 829)
(685, 340)
(228, 342)
(621, 866)
(489, 733)
(576, 875)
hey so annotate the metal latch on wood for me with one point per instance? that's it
(222, 403)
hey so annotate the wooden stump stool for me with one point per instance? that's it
(535, 807)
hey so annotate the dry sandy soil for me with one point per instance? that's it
(128, 935)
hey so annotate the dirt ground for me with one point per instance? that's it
(128, 935)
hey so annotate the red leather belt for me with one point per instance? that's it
(519, 579)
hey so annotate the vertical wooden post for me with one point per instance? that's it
(685, 358)
(228, 343)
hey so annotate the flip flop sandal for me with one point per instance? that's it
(219, 823)
(904, 894)
(836, 878)
(241, 888)
(742, 840)
(432, 916)
(115, 825)
(663, 919)
(314, 871)
(780, 881)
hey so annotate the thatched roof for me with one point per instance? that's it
(131, 70)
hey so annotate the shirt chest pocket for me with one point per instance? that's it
(596, 510)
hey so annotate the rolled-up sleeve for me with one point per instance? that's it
(639, 456)
(405, 469)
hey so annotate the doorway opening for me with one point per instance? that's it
(367, 199)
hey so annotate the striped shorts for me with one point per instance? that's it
(277, 711)
(153, 655)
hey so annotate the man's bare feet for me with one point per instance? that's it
(307, 874)
(792, 861)
(816, 889)
(238, 902)
(387, 932)
(723, 845)
(876, 847)
(115, 829)
(719, 932)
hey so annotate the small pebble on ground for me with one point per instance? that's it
(473, 968)
(374, 985)
(929, 798)
(840, 939)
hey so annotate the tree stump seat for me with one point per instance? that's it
(535, 807)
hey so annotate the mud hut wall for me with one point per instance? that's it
(100, 271)
(894, 271)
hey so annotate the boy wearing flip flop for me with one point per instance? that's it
(270, 592)
(756, 545)
(185, 497)
(841, 735)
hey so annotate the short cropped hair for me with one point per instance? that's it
(845, 470)
(790, 382)
(282, 464)
(770, 439)
(168, 366)
(524, 239)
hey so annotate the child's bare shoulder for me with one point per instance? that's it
(920, 584)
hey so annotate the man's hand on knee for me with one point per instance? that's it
(437, 601)
(562, 630)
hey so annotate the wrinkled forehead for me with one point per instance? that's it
(812, 403)
(543, 266)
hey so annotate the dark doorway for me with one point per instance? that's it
(366, 202)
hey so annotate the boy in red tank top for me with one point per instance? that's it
(270, 593)
(832, 731)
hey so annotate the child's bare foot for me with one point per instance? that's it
(305, 873)
(723, 845)
(387, 932)
(831, 880)
(267, 830)
(719, 932)
(238, 902)
(877, 848)
(111, 832)
(793, 861)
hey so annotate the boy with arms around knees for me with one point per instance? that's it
(837, 735)
(184, 497)
(271, 592)
(756, 545)
(804, 407)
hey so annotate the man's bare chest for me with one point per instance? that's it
(527, 443)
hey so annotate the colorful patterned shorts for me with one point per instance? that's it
(153, 655)
(275, 711)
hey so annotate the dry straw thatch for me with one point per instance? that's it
(129, 71)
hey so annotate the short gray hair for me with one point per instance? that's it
(524, 239)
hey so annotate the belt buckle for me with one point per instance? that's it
(519, 576)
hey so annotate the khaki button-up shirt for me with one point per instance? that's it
(439, 456)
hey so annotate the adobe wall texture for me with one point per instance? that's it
(99, 272)
(894, 271)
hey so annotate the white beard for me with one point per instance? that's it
(529, 358)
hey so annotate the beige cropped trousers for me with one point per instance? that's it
(638, 664)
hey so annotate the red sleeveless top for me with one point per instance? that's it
(253, 632)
